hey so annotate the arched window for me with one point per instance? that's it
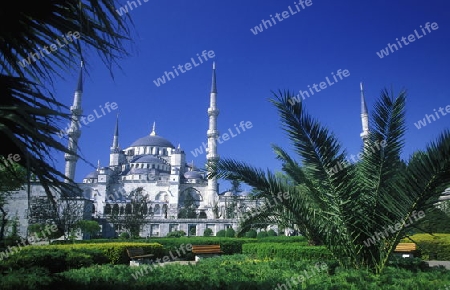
(157, 209)
(107, 209)
(128, 209)
(115, 209)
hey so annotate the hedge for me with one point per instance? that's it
(225, 272)
(432, 247)
(115, 253)
(283, 239)
(290, 252)
(54, 260)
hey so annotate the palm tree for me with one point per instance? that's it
(359, 210)
(29, 112)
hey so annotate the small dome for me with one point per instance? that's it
(193, 175)
(228, 193)
(152, 140)
(92, 175)
(243, 193)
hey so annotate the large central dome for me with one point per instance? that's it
(152, 140)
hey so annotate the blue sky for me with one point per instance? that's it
(298, 51)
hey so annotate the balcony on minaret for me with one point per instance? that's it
(213, 112)
(70, 157)
(76, 110)
(212, 133)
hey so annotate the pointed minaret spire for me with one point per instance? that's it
(364, 117)
(80, 79)
(212, 134)
(114, 154)
(213, 83)
(98, 164)
(153, 133)
(116, 135)
(74, 132)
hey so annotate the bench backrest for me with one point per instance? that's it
(205, 248)
(405, 247)
(132, 252)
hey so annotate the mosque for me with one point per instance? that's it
(178, 196)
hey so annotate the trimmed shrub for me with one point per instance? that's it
(271, 233)
(207, 232)
(230, 233)
(54, 260)
(291, 251)
(262, 234)
(251, 234)
(221, 233)
(284, 240)
(116, 253)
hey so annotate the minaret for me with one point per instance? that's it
(212, 134)
(74, 132)
(114, 158)
(364, 118)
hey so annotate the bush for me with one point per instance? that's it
(251, 234)
(262, 234)
(230, 233)
(176, 234)
(271, 233)
(207, 232)
(124, 236)
(221, 233)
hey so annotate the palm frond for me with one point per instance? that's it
(29, 113)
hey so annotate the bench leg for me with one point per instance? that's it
(139, 262)
(135, 263)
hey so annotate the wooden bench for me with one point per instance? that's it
(137, 256)
(406, 250)
(202, 251)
